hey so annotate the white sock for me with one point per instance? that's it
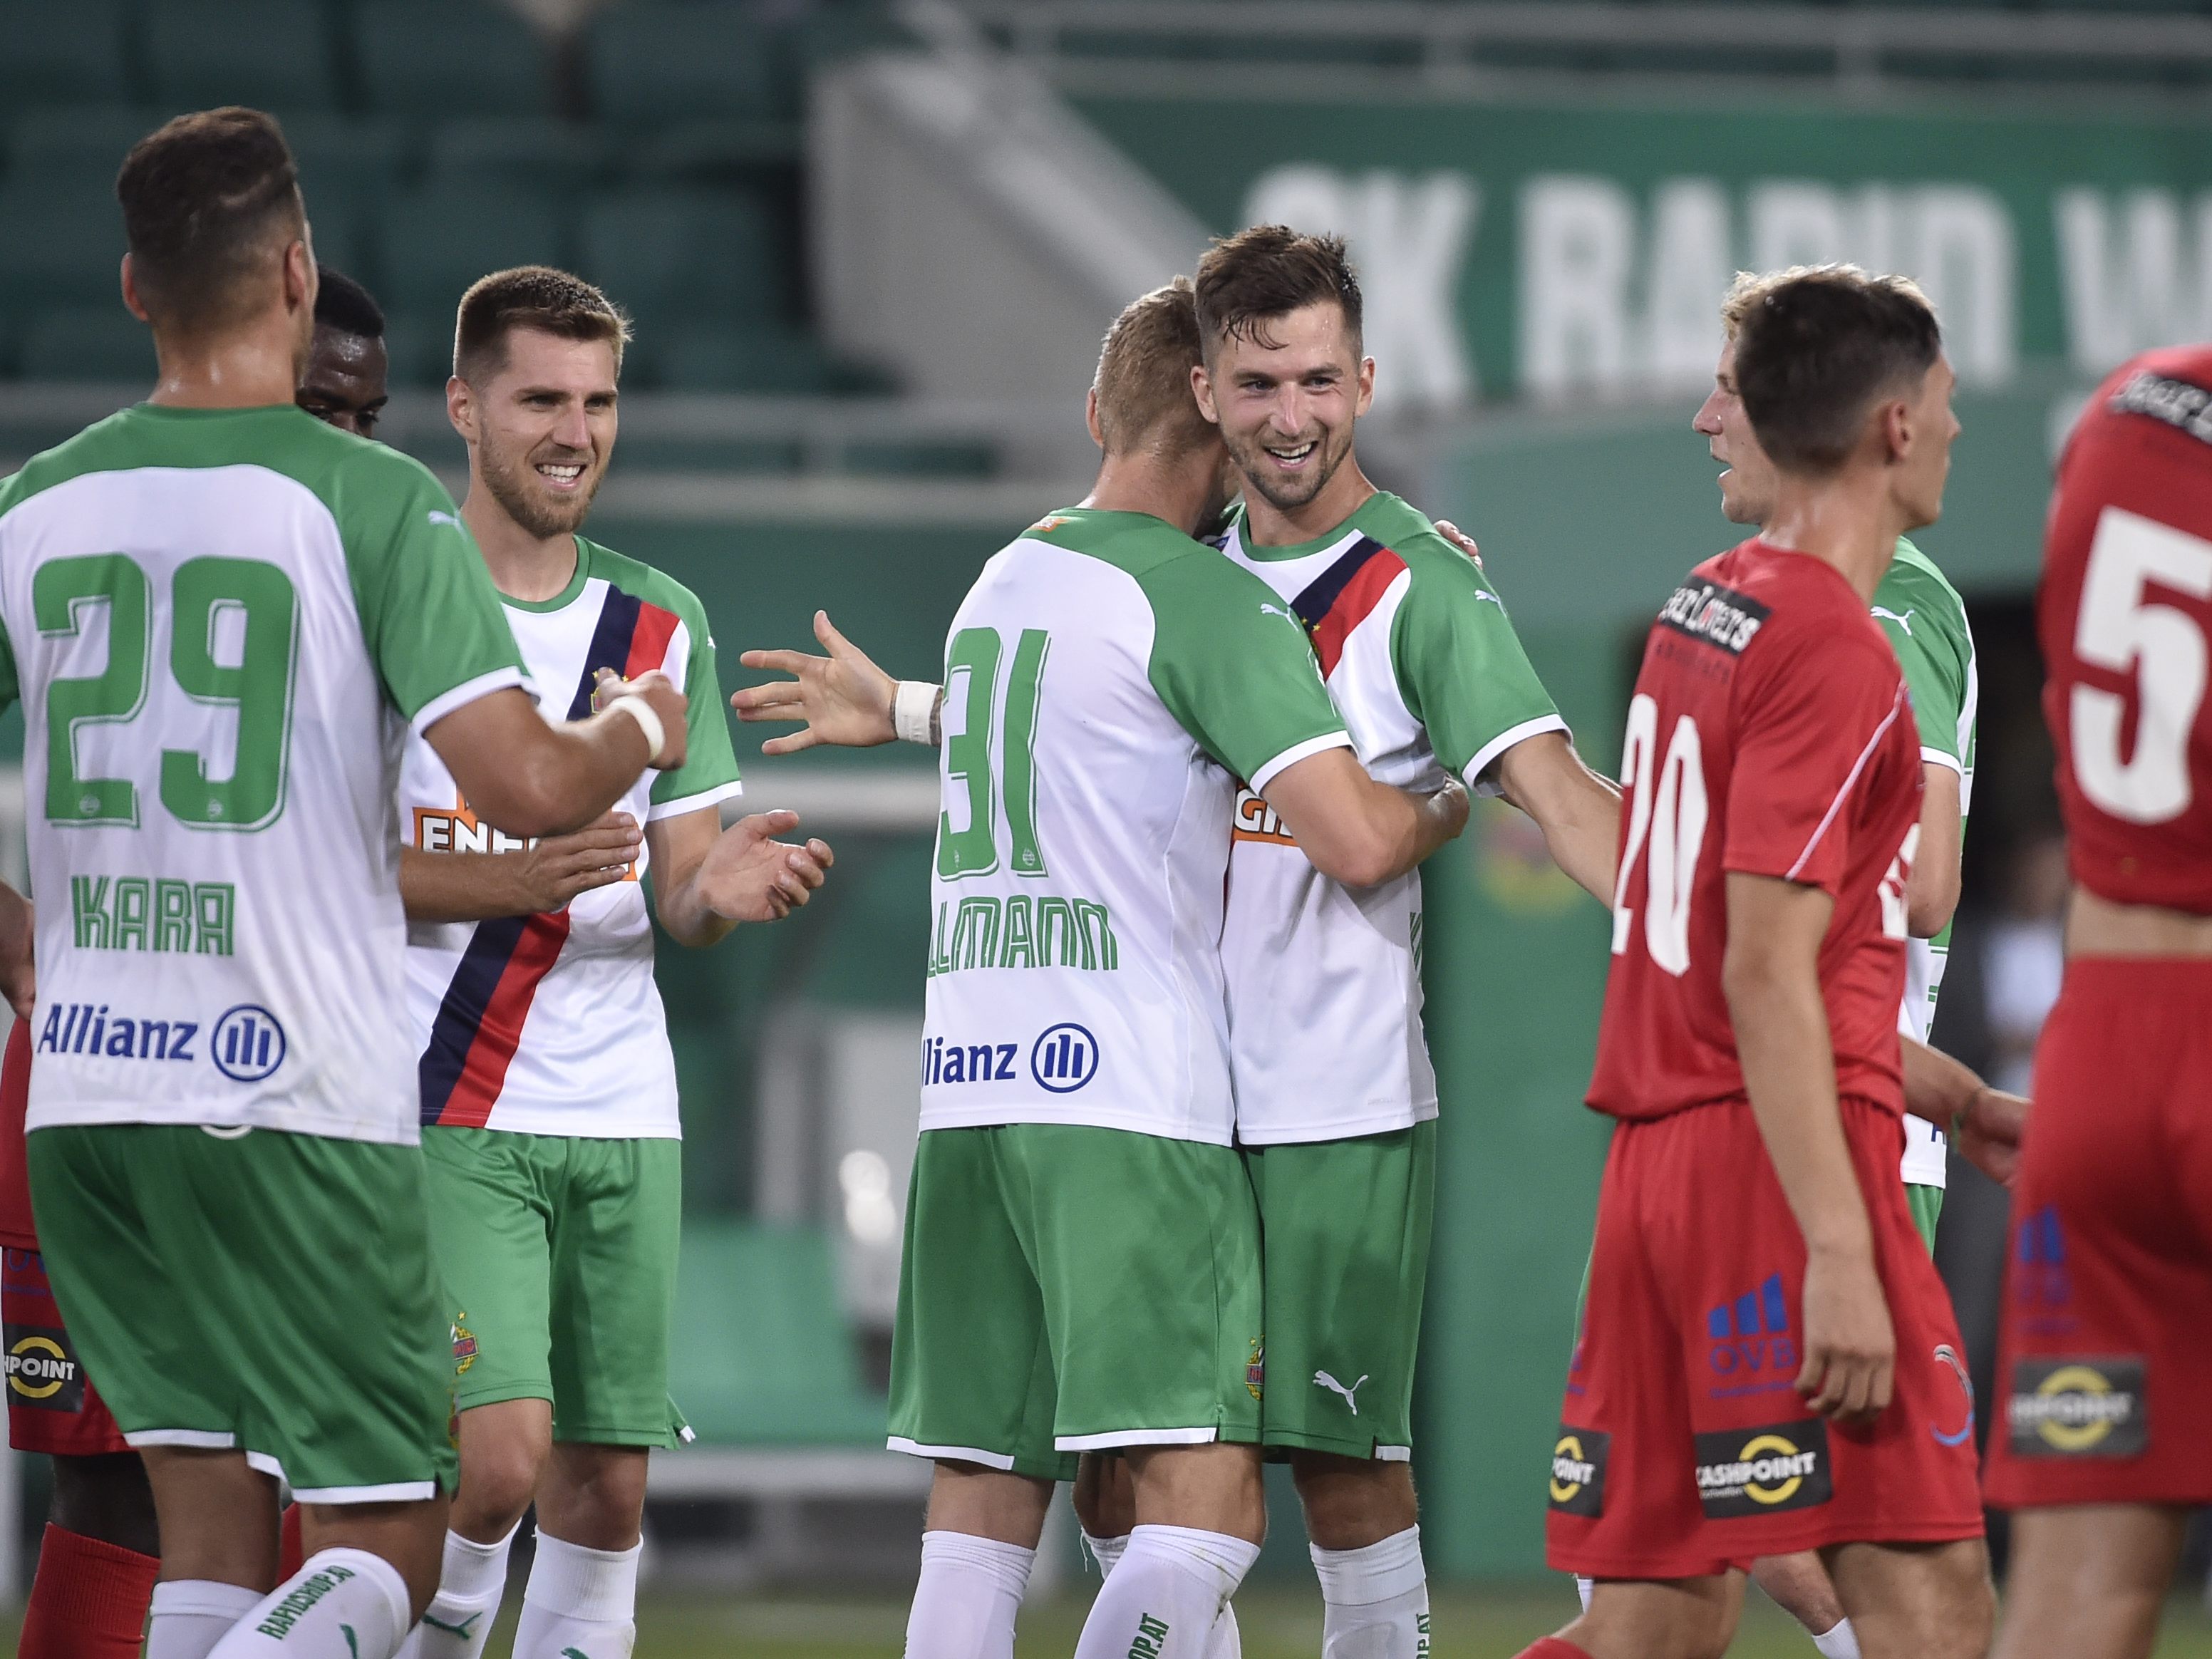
(1165, 1594)
(1106, 1551)
(190, 1615)
(580, 1599)
(969, 1591)
(471, 1584)
(1377, 1600)
(1839, 1644)
(1584, 1587)
(343, 1604)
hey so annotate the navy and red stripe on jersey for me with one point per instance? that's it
(2125, 619)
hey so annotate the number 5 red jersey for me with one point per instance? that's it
(1770, 733)
(2124, 616)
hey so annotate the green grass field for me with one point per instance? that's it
(1277, 1624)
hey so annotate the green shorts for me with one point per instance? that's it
(559, 1253)
(1067, 1289)
(267, 1291)
(1344, 1235)
(1926, 1204)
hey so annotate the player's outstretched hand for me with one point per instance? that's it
(660, 693)
(842, 699)
(559, 868)
(1851, 1347)
(1459, 538)
(1989, 1133)
(749, 875)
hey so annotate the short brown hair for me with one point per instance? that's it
(205, 199)
(1143, 383)
(1271, 270)
(530, 296)
(1815, 346)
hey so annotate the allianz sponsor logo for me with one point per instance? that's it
(247, 1043)
(1062, 1059)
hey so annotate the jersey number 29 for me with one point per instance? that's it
(206, 595)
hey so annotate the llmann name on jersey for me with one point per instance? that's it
(1023, 930)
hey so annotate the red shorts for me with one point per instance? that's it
(2105, 1364)
(1683, 1449)
(52, 1407)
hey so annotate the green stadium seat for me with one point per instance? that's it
(419, 344)
(762, 1354)
(71, 53)
(716, 150)
(433, 57)
(666, 253)
(536, 150)
(366, 158)
(433, 242)
(272, 54)
(59, 248)
(86, 343)
(650, 62)
(691, 355)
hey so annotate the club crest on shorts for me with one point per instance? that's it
(1947, 1355)
(464, 1347)
(1761, 1471)
(1578, 1470)
(1255, 1369)
(2087, 1406)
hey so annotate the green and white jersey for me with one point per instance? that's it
(221, 624)
(1926, 622)
(1108, 681)
(1324, 980)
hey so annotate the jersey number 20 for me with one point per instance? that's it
(205, 594)
(1670, 811)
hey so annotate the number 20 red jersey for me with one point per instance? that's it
(1771, 733)
(2124, 616)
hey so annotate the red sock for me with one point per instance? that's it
(88, 1600)
(292, 1554)
(1553, 1647)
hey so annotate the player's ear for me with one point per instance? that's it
(1366, 381)
(1201, 387)
(1090, 417)
(131, 302)
(461, 408)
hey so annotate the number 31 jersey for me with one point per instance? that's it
(221, 624)
(1770, 733)
(2124, 616)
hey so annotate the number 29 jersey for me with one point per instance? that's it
(1770, 733)
(2124, 616)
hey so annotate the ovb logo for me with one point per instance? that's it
(1064, 1058)
(248, 1043)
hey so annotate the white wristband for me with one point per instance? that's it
(914, 713)
(640, 710)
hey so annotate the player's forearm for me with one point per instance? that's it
(1936, 1086)
(1379, 834)
(1578, 810)
(685, 915)
(566, 779)
(460, 887)
(1788, 1072)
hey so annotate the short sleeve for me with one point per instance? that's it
(709, 772)
(1811, 709)
(432, 618)
(1461, 668)
(11, 686)
(1934, 649)
(1234, 668)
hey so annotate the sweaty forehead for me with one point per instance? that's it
(349, 366)
(1291, 343)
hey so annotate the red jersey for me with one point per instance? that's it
(2124, 618)
(1771, 733)
(17, 1231)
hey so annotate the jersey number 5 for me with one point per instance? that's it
(1669, 811)
(975, 705)
(2118, 628)
(239, 608)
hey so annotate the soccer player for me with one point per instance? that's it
(348, 366)
(1076, 1199)
(216, 610)
(1926, 623)
(548, 1090)
(2104, 1448)
(100, 1553)
(1749, 1047)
